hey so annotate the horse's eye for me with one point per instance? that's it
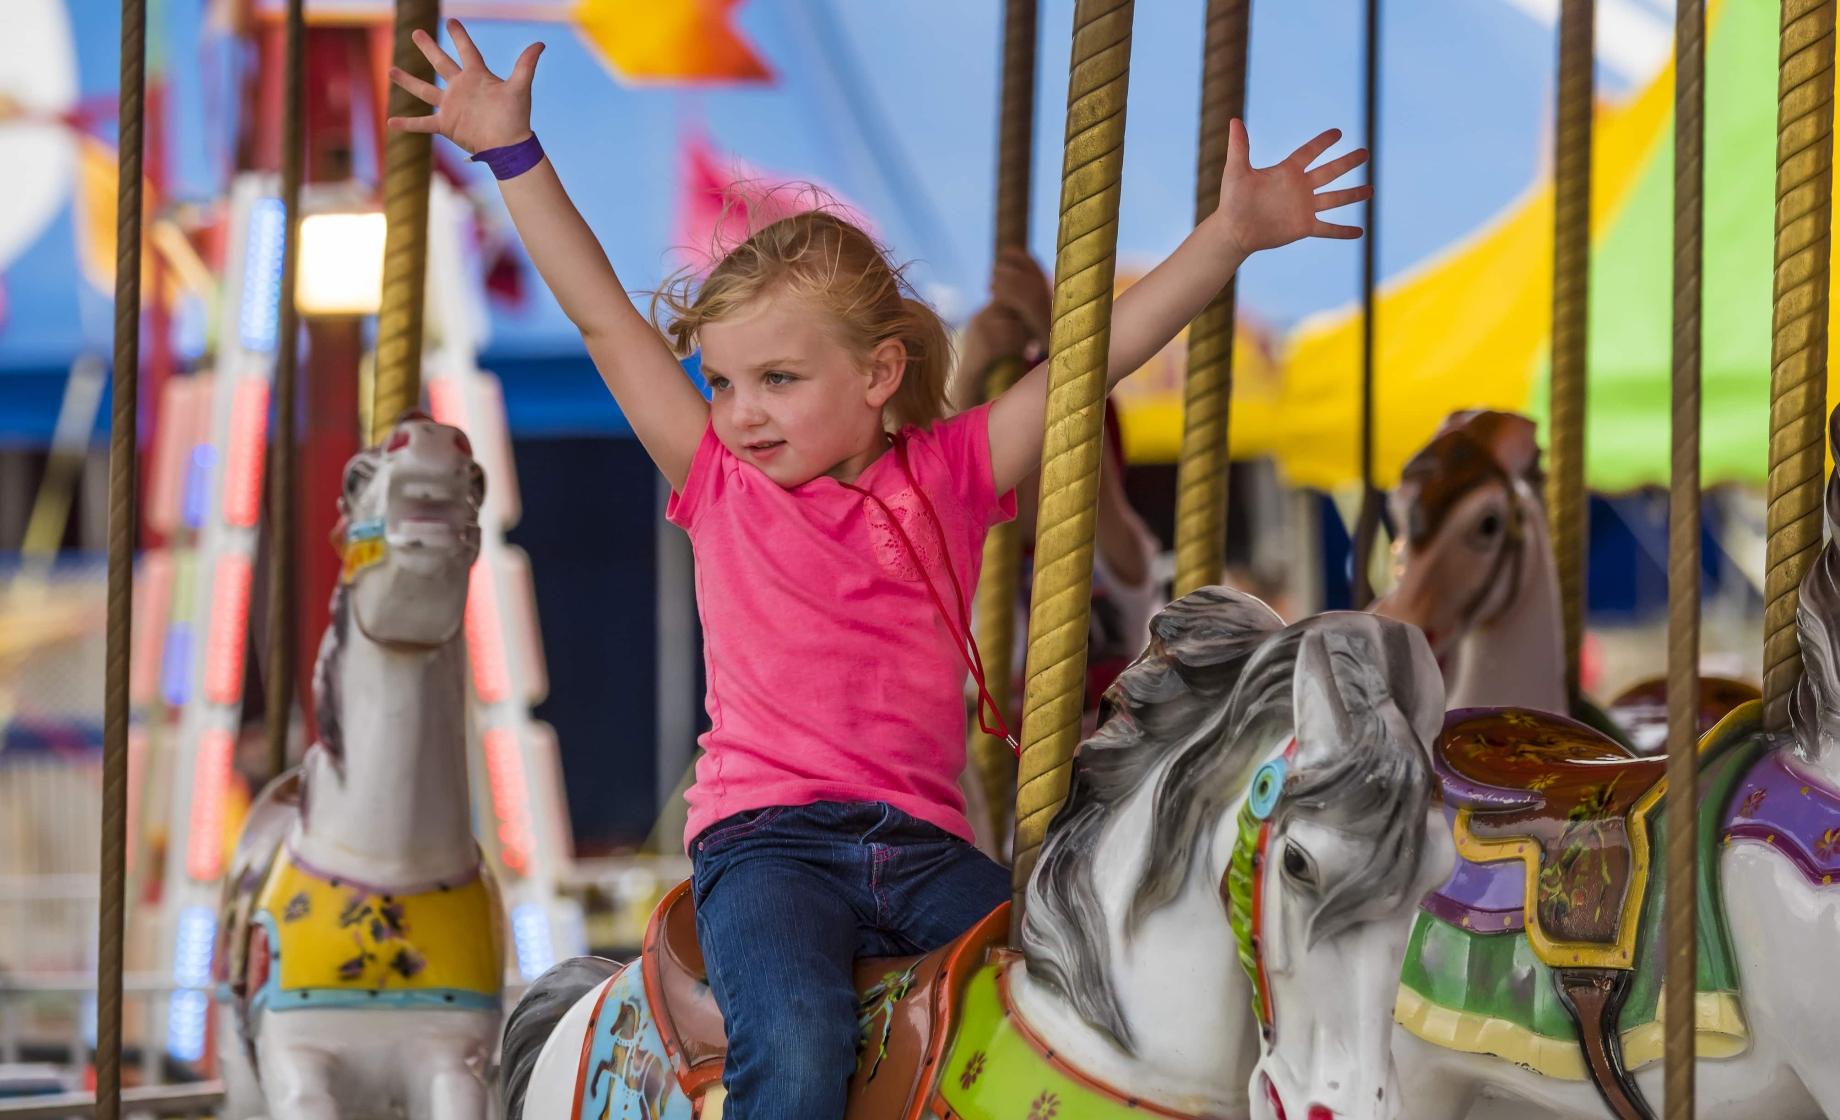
(357, 476)
(1490, 525)
(1297, 865)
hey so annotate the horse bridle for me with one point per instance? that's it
(1509, 556)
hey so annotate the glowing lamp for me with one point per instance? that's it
(341, 264)
(204, 841)
(223, 667)
(510, 798)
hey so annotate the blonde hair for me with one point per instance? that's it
(831, 261)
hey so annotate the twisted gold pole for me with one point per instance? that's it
(1683, 560)
(1078, 346)
(407, 162)
(1571, 302)
(1798, 346)
(996, 593)
(280, 680)
(1207, 393)
(124, 519)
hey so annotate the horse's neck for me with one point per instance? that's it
(395, 808)
(1518, 658)
(1178, 980)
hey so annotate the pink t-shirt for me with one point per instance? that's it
(832, 676)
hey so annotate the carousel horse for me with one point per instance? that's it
(1236, 747)
(361, 958)
(1534, 975)
(1475, 563)
(1476, 574)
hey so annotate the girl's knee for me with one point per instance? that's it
(794, 1065)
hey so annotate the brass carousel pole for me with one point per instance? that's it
(407, 162)
(124, 519)
(996, 593)
(1571, 304)
(1207, 395)
(1683, 556)
(280, 680)
(1078, 345)
(1798, 346)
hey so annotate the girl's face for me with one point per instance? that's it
(789, 398)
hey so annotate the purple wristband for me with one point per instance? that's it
(513, 159)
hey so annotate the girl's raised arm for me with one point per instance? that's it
(479, 111)
(1260, 208)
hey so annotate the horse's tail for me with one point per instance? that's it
(535, 1018)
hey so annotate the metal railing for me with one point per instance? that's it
(199, 1100)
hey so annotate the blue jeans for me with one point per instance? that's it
(786, 900)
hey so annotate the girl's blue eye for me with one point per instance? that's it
(718, 384)
(778, 377)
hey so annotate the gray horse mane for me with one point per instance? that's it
(1210, 696)
(327, 700)
(1814, 707)
(1367, 773)
(1178, 695)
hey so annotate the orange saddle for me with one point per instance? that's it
(909, 1002)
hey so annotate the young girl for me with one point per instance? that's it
(837, 524)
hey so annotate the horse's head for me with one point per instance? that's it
(1468, 508)
(1144, 911)
(408, 533)
(1338, 840)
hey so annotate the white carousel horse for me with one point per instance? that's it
(362, 958)
(1128, 997)
(1560, 842)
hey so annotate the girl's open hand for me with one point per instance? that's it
(1263, 208)
(476, 109)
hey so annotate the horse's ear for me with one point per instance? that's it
(1320, 714)
(1420, 694)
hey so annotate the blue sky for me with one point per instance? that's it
(893, 105)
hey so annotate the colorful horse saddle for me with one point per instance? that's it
(1641, 709)
(907, 1007)
(1571, 805)
(1543, 948)
(938, 1038)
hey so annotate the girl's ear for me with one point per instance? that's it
(887, 364)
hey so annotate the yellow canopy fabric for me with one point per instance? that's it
(1463, 330)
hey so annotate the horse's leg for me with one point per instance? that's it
(297, 1083)
(450, 1087)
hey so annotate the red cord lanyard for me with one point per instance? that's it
(961, 627)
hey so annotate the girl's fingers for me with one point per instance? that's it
(1336, 168)
(412, 124)
(1329, 200)
(525, 69)
(1306, 155)
(463, 46)
(1239, 148)
(427, 91)
(431, 50)
(1339, 233)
